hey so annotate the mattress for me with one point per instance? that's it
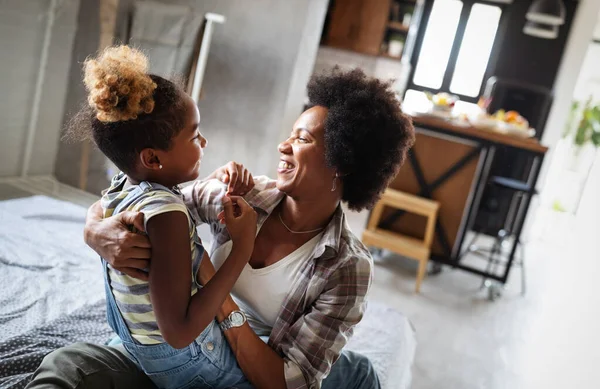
(47, 270)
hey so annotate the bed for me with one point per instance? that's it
(52, 295)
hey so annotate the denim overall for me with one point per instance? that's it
(206, 363)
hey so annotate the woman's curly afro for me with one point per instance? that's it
(366, 134)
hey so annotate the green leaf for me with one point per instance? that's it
(571, 118)
(557, 206)
(582, 130)
(596, 138)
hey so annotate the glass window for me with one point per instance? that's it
(437, 43)
(475, 49)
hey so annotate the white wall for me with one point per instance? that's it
(589, 75)
(597, 30)
(587, 85)
(578, 44)
(22, 31)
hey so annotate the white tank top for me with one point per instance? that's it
(260, 292)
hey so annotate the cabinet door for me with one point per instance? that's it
(358, 25)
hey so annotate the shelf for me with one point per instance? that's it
(385, 55)
(397, 26)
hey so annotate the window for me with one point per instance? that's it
(456, 46)
(475, 50)
(437, 43)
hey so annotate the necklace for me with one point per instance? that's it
(297, 232)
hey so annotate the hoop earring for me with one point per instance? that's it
(334, 186)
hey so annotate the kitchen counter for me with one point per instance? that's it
(450, 163)
(467, 130)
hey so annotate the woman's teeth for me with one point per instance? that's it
(285, 165)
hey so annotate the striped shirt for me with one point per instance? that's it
(327, 298)
(133, 295)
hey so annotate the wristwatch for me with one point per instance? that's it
(235, 319)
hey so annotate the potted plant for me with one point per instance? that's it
(577, 153)
(396, 45)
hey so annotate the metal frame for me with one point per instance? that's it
(487, 150)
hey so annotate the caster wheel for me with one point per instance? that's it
(494, 290)
(436, 268)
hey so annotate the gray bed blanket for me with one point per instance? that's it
(46, 270)
(22, 354)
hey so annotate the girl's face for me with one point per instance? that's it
(181, 163)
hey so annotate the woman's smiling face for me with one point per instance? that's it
(302, 171)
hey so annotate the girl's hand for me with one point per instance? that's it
(238, 178)
(240, 219)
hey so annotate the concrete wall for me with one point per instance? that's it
(22, 31)
(68, 159)
(380, 67)
(258, 58)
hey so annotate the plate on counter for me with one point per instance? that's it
(491, 124)
(438, 114)
(519, 131)
(485, 123)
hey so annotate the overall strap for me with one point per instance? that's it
(115, 319)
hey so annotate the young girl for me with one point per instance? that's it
(148, 128)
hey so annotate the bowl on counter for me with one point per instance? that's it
(442, 102)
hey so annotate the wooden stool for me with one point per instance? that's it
(398, 243)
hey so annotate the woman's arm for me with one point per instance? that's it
(113, 240)
(181, 317)
(263, 367)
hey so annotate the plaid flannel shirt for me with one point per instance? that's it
(327, 298)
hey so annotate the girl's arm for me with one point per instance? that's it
(181, 317)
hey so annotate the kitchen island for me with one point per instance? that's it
(450, 163)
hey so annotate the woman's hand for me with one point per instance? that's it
(113, 240)
(238, 178)
(240, 219)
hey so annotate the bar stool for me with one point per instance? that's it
(514, 220)
(408, 246)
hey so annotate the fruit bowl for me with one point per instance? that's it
(442, 102)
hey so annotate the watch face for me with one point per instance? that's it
(237, 319)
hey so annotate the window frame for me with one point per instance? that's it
(458, 39)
